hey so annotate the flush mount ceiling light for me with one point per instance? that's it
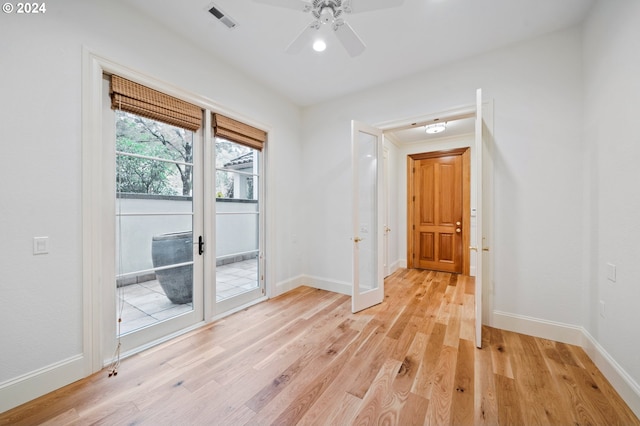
(435, 128)
(319, 45)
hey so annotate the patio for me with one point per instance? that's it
(145, 303)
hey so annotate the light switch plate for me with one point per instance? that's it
(611, 272)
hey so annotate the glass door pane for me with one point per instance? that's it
(238, 225)
(367, 202)
(368, 284)
(154, 221)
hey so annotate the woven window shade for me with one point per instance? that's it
(238, 132)
(138, 99)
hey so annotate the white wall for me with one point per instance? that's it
(40, 129)
(612, 92)
(537, 88)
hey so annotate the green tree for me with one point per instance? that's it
(142, 136)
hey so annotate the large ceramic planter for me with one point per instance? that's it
(169, 249)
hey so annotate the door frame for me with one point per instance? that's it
(97, 240)
(465, 111)
(465, 154)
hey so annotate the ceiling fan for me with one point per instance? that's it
(331, 12)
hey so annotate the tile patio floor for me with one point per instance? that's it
(146, 303)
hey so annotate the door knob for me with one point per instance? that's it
(357, 239)
(458, 223)
(458, 230)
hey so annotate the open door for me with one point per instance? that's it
(368, 274)
(479, 244)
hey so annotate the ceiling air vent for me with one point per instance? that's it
(222, 17)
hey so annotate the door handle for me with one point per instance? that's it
(357, 239)
(200, 245)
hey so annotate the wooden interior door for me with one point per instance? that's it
(437, 209)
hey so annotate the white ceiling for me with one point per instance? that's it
(418, 35)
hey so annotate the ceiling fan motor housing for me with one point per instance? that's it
(327, 10)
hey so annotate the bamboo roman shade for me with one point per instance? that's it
(238, 132)
(132, 97)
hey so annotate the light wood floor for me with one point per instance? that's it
(303, 358)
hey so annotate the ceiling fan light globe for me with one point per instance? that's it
(319, 45)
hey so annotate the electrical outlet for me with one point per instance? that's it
(40, 245)
(602, 314)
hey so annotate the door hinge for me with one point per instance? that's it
(414, 227)
(200, 245)
(414, 199)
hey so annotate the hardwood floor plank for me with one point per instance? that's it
(536, 385)
(308, 394)
(414, 411)
(467, 325)
(452, 336)
(332, 408)
(485, 400)
(462, 404)
(439, 412)
(379, 396)
(424, 379)
(508, 401)
(624, 415)
(304, 358)
(500, 354)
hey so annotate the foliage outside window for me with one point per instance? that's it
(154, 157)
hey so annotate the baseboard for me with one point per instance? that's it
(622, 382)
(23, 389)
(328, 284)
(551, 330)
(396, 265)
(288, 285)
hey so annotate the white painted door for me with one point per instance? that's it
(386, 229)
(155, 221)
(478, 248)
(368, 274)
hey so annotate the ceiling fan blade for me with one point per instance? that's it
(303, 39)
(349, 38)
(299, 5)
(357, 6)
